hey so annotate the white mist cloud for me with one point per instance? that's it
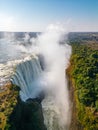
(27, 37)
(56, 59)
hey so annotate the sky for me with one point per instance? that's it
(36, 15)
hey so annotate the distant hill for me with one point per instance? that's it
(19, 34)
(83, 36)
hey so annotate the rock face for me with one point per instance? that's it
(18, 115)
(27, 116)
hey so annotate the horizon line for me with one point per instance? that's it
(43, 31)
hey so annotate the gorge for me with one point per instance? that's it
(43, 84)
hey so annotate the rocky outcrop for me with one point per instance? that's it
(27, 116)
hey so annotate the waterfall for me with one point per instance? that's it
(27, 77)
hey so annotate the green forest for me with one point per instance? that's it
(84, 75)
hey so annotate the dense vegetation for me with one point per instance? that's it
(84, 75)
(8, 100)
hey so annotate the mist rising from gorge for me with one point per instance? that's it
(55, 55)
(47, 73)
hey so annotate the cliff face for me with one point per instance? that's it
(74, 122)
(18, 115)
(27, 116)
(74, 125)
